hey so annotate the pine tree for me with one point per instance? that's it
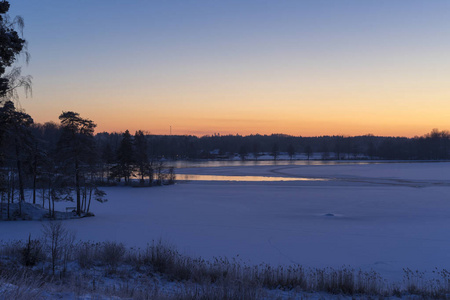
(125, 158)
(141, 156)
(15, 131)
(76, 147)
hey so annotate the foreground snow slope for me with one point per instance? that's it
(382, 217)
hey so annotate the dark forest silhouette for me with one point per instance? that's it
(432, 146)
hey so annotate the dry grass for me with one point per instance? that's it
(160, 272)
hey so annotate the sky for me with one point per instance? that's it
(304, 68)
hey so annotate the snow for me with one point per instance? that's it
(32, 212)
(384, 217)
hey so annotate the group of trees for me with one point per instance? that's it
(56, 168)
(27, 159)
(132, 156)
(13, 123)
(67, 161)
(56, 161)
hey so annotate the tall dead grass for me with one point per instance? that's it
(159, 271)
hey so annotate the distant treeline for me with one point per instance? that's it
(432, 146)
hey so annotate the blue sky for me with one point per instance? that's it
(299, 67)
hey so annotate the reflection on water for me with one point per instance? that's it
(241, 178)
(238, 163)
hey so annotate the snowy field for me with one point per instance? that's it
(383, 217)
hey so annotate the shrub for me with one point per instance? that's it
(32, 252)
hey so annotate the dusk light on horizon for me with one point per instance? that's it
(303, 68)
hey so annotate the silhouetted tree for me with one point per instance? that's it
(141, 157)
(108, 158)
(243, 152)
(15, 128)
(338, 147)
(160, 176)
(76, 146)
(325, 151)
(308, 151)
(355, 151)
(371, 150)
(171, 176)
(275, 151)
(11, 46)
(291, 151)
(256, 150)
(125, 155)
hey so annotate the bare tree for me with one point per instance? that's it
(58, 241)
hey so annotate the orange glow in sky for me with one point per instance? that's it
(304, 68)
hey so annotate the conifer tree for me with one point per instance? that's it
(141, 156)
(125, 158)
(15, 131)
(76, 147)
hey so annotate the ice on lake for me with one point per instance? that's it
(372, 216)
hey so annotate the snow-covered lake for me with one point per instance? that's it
(373, 216)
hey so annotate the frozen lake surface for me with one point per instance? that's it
(197, 177)
(372, 216)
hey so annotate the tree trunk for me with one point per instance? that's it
(49, 201)
(77, 187)
(9, 194)
(90, 197)
(13, 187)
(84, 200)
(34, 177)
(43, 196)
(53, 207)
(8, 208)
(19, 171)
(49, 205)
(150, 176)
(142, 171)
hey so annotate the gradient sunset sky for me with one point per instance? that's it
(335, 67)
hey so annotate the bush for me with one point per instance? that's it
(32, 253)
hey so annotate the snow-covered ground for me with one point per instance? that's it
(375, 216)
